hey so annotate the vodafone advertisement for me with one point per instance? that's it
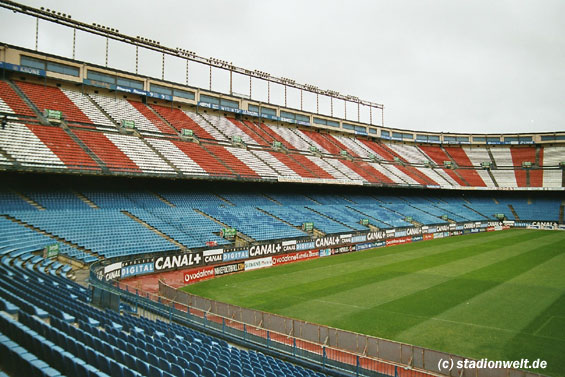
(198, 274)
(295, 257)
(398, 241)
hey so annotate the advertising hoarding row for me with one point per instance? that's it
(200, 265)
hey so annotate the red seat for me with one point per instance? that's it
(50, 97)
(146, 112)
(14, 101)
(523, 154)
(108, 152)
(60, 143)
(204, 159)
(179, 120)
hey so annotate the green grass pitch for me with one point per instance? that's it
(499, 295)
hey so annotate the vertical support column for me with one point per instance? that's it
(74, 41)
(36, 32)
(136, 58)
(371, 115)
(186, 77)
(231, 82)
(210, 80)
(300, 99)
(359, 112)
(382, 116)
(268, 92)
(344, 109)
(163, 67)
(285, 95)
(250, 91)
(331, 106)
(317, 103)
(107, 41)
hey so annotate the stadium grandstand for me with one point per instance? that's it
(108, 176)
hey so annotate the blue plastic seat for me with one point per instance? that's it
(195, 368)
(164, 365)
(116, 369)
(142, 367)
(155, 371)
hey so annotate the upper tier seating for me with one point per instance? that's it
(203, 158)
(275, 161)
(138, 152)
(121, 109)
(553, 178)
(250, 130)
(502, 156)
(11, 102)
(206, 121)
(52, 98)
(180, 120)
(26, 148)
(88, 108)
(409, 153)
(68, 151)
(93, 119)
(112, 156)
(439, 156)
(228, 128)
(152, 117)
(530, 177)
(552, 156)
(177, 157)
(462, 160)
(231, 158)
(476, 156)
(505, 178)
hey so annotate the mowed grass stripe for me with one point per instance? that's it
(495, 322)
(392, 318)
(380, 292)
(533, 341)
(513, 304)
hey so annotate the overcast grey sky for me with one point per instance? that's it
(447, 65)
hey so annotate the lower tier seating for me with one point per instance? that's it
(54, 330)
(104, 220)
